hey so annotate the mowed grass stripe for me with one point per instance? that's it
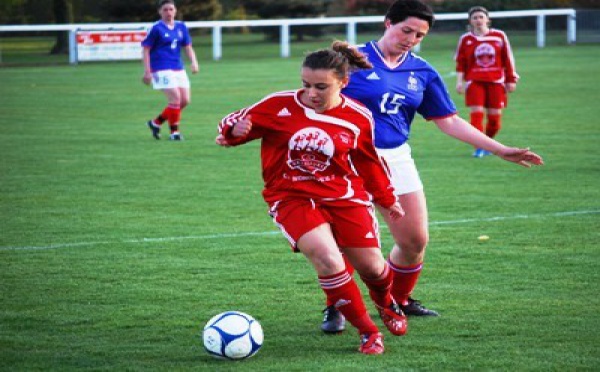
(266, 233)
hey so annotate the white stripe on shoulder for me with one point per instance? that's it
(313, 115)
(360, 108)
(286, 93)
(234, 117)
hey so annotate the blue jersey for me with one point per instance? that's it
(395, 93)
(165, 45)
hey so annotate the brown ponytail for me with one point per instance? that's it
(341, 57)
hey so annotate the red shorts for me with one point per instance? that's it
(488, 95)
(352, 226)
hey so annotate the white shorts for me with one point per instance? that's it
(169, 79)
(405, 177)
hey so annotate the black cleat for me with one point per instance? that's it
(414, 308)
(154, 129)
(333, 320)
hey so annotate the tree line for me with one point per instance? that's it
(15, 12)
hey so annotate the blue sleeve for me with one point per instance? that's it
(187, 39)
(150, 39)
(436, 99)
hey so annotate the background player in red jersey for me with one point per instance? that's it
(163, 66)
(320, 172)
(485, 70)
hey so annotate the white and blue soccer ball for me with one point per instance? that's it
(232, 335)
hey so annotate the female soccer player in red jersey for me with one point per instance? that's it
(321, 175)
(398, 86)
(485, 72)
(164, 68)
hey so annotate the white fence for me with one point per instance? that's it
(285, 24)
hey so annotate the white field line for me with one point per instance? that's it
(266, 233)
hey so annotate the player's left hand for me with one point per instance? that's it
(195, 68)
(524, 157)
(396, 211)
(511, 87)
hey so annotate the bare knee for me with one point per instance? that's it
(368, 262)
(412, 248)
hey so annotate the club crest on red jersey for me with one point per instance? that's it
(310, 150)
(485, 54)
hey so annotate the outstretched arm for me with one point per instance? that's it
(458, 128)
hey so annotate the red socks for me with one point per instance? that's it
(171, 113)
(379, 288)
(350, 270)
(493, 125)
(404, 281)
(342, 291)
(477, 120)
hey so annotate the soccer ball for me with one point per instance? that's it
(232, 335)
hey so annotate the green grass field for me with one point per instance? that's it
(116, 248)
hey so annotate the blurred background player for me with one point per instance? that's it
(485, 72)
(399, 85)
(163, 66)
(320, 171)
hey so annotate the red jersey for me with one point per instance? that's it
(486, 58)
(328, 157)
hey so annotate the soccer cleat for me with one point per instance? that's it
(176, 136)
(371, 344)
(485, 153)
(414, 308)
(333, 320)
(478, 153)
(155, 129)
(394, 319)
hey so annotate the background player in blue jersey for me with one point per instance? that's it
(399, 85)
(163, 66)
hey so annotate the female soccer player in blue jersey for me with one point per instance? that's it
(399, 85)
(163, 66)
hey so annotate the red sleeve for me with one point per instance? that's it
(459, 56)
(228, 122)
(510, 71)
(371, 169)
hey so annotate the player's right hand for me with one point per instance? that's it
(147, 78)
(242, 127)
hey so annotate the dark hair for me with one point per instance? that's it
(163, 2)
(340, 57)
(402, 9)
(478, 9)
